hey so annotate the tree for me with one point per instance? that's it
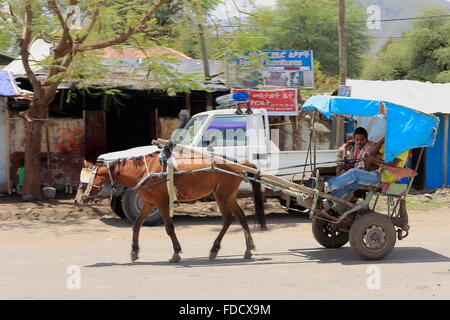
(423, 53)
(304, 25)
(109, 23)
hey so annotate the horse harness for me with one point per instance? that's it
(87, 181)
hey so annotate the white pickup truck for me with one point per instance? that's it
(238, 135)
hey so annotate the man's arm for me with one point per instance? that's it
(388, 164)
(375, 148)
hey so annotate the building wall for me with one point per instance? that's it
(434, 160)
(3, 146)
(66, 150)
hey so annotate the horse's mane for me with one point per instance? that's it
(116, 165)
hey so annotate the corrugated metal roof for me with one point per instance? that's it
(422, 96)
(135, 53)
(127, 73)
(125, 68)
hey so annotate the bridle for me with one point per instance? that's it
(87, 177)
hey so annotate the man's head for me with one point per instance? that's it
(360, 137)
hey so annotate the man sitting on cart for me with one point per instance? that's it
(343, 186)
(363, 146)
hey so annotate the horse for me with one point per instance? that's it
(189, 186)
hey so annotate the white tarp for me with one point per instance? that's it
(126, 154)
(39, 50)
(425, 97)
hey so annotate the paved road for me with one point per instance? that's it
(289, 264)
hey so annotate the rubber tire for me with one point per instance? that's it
(325, 238)
(131, 209)
(357, 231)
(303, 210)
(116, 206)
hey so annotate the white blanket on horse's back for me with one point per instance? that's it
(126, 154)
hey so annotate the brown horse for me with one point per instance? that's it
(189, 187)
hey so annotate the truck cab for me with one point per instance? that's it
(235, 133)
(224, 132)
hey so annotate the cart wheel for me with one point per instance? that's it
(326, 236)
(372, 236)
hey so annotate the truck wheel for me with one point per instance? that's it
(132, 205)
(326, 235)
(294, 208)
(372, 236)
(116, 206)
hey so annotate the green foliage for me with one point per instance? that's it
(113, 18)
(324, 84)
(422, 54)
(160, 71)
(186, 29)
(318, 35)
(282, 28)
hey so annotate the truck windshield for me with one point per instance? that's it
(186, 135)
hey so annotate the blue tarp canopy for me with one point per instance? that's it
(8, 85)
(406, 128)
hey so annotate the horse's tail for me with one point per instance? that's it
(257, 198)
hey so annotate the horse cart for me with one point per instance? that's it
(159, 179)
(371, 234)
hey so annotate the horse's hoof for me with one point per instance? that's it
(134, 256)
(248, 254)
(176, 258)
(213, 254)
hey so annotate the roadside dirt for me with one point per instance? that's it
(60, 221)
(12, 208)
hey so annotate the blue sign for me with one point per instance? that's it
(302, 59)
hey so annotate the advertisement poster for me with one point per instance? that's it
(272, 68)
(281, 102)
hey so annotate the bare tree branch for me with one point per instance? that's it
(11, 11)
(91, 23)
(240, 11)
(124, 36)
(24, 45)
(9, 25)
(62, 69)
(66, 31)
(65, 44)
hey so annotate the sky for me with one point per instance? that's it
(221, 11)
(229, 5)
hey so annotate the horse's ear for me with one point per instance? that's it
(87, 163)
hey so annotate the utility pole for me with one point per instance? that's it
(197, 14)
(204, 50)
(342, 69)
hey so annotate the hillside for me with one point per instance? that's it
(393, 9)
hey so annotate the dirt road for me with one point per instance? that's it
(88, 258)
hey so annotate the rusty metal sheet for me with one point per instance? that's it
(66, 150)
